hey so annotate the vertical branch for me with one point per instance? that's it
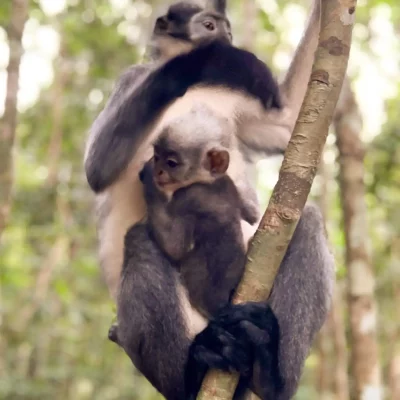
(325, 336)
(55, 146)
(394, 363)
(365, 366)
(250, 10)
(323, 369)
(341, 379)
(298, 170)
(19, 15)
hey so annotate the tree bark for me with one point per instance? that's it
(19, 15)
(341, 387)
(298, 169)
(56, 139)
(250, 10)
(324, 367)
(365, 367)
(394, 363)
(324, 343)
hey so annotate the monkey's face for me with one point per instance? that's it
(171, 171)
(186, 26)
(209, 26)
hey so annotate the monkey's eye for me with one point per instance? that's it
(209, 25)
(156, 158)
(172, 163)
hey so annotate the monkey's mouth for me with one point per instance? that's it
(169, 186)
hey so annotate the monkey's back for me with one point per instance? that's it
(213, 269)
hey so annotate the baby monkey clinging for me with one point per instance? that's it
(194, 208)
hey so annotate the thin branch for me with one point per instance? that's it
(298, 169)
(19, 15)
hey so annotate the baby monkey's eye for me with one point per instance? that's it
(209, 25)
(172, 163)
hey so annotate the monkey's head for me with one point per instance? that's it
(192, 148)
(187, 25)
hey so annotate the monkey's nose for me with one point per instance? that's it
(162, 24)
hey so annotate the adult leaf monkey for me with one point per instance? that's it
(146, 98)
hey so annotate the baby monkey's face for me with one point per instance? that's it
(176, 169)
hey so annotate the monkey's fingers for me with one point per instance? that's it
(235, 352)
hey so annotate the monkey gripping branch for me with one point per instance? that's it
(297, 172)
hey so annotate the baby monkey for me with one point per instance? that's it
(194, 210)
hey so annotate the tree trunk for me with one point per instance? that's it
(19, 14)
(55, 145)
(341, 379)
(394, 363)
(324, 367)
(250, 10)
(299, 166)
(365, 366)
(323, 370)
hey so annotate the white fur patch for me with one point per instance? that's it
(194, 321)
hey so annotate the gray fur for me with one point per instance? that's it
(151, 327)
(301, 295)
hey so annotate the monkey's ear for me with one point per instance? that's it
(217, 5)
(217, 161)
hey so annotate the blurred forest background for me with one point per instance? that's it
(54, 307)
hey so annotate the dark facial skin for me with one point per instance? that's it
(189, 22)
(176, 169)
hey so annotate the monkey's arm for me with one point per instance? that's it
(269, 132)
(294, 85)
(151, 322)
(249, 206)
(173, 235)
(117, 136)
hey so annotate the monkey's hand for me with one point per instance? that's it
(256, 325)
(244, 338)
(215, 347)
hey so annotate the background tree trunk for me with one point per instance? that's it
(324, 341)
(341, 387)
(394, 362)
(19, 15)
(55, 145)
(365, 366)
(298, 170)
(250, 10)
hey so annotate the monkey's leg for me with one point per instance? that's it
(152, 327)
(301, 295)
(299, 301)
